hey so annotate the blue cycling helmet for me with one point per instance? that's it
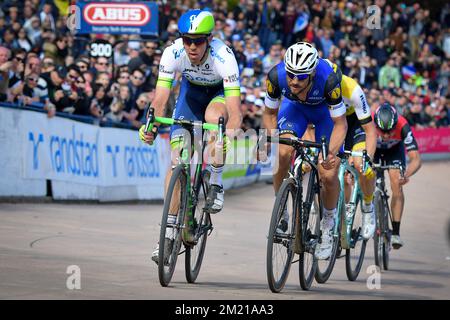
(196, 22)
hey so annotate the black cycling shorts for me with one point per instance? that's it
(394, 155)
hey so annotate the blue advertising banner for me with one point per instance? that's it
(117, 18)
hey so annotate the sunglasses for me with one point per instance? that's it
(300, 77)
(73, 77)
(82, 66)
(197, 41)
(32, 79)
(138, 78)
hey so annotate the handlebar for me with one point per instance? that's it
(151, 119)
(392, 166)
(298, 143)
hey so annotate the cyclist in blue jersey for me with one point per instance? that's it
(312, 94)
(209, 90)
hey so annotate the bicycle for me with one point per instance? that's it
(347, 229)
(383, 231)
(184, 194)
(301, 230)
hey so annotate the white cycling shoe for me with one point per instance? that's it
(325, 247)
(168, 245)
(396, 242)
(368, 223)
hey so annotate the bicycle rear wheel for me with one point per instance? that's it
(325, 267)
(175, 201)
(280, 242)
(202, 223)
(354, 257)
(311, 215)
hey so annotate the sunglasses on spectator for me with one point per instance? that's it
(19, 59)
(138, 78)
(49, 63)
(73, 77)
(299, 77)
(82, 66)
(197, 41)
(32, 79)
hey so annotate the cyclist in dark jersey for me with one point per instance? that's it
(394, 136)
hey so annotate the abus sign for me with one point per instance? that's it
(118, 18)
(107, 14)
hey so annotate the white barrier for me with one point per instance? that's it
(87, 162)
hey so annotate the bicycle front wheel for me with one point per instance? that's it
(311, 217)
(175, 202)
(325, 267)
(202, 225)
(354, 257)
(378, 238)
(280, 251)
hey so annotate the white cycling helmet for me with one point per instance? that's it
(301, 58)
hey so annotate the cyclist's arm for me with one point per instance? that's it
(333, 95)
(229, 71)
(166, 76)
(362, 110)
(272, 101)
(414, 165)
(159, 103)
(411, 147)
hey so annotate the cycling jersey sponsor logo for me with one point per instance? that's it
(232, 78)
(197, 78)
(336, 107)
(162, 69)
(111, 14)
(409, 138)
(363, 103)
(269, 86)
(281, 121)
(336, 93)
(177, 53)
(214, 54)
(316, 92)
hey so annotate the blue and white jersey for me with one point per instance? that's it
(325, 89)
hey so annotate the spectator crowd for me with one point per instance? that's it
(403, 57)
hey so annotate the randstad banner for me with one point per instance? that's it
(117, 18)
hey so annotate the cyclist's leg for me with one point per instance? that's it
(396, 156)
(367, 183)
(216, 109)
(348, 145)
(321, 118)
(291, 122)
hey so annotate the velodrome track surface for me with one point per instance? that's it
(112, 243)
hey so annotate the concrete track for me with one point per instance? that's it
(111, 244)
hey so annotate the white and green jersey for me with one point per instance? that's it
(219, 67)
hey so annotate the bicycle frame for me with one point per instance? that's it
(300, 205)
